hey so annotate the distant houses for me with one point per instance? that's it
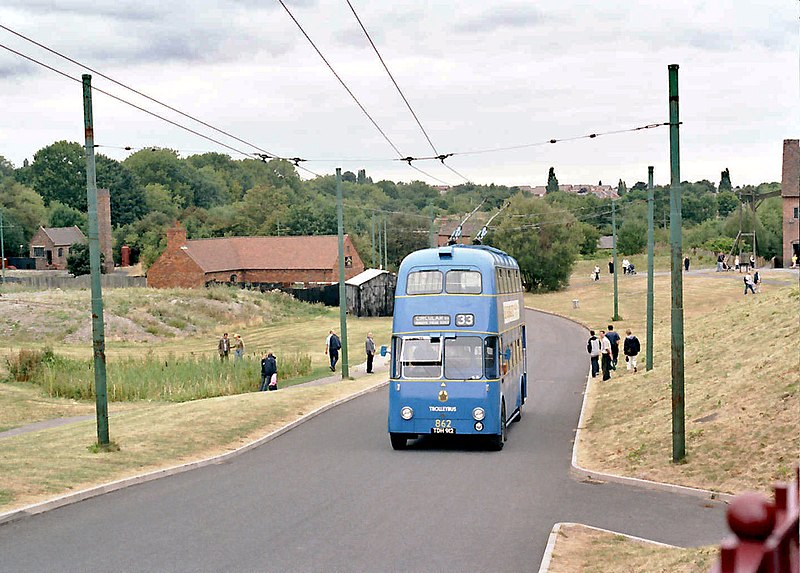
(50, 246)
(285, 261)
(600, 191)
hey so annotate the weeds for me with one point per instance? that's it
(168, 378)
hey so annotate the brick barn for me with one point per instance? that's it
(278, 260)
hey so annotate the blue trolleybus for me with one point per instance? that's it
(458, 345)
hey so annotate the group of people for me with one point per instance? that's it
(269, 365)
(224, 347)
(333, 344)
(722, 265)
(604, 351)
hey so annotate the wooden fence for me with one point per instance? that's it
(765, 534)
(83, 281)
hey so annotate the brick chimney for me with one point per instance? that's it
(104, 228)
(176, 237)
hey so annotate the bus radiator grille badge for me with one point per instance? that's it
(443, 396)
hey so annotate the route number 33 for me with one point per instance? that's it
(465, 320)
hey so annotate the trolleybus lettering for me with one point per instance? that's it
(442, 409)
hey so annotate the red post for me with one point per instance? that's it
(766, 535)
(125, 256)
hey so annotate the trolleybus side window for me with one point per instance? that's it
(463, 358)
(424, 282)
(490, 357)
(421, 357)
(463, 282)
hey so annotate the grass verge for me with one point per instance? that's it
(39, 465)
(582, 549)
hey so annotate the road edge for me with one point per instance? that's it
(95, 491)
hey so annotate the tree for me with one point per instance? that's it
(361, 178)
(6, 168)
(552, 181)
(639, 186)
(725, 181)
(727, 203)
(632, 237)
(65, 216)
(58, 173)
(587, 241)
(622, 188)
(349, 176)
(127, 198)
(23, 212)
(78, 262)
(542, 240)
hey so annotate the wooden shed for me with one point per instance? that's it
(371, 293)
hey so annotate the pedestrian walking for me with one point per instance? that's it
(613, 339)
(269, 373)
(794, 261)
(593, 348)
(752, 261)
(332, 346)
(736, 264)
(748, 283)
(238, 348)
(631, 348)
(597, 272)
(611, 266)
(686, 263)
(605, 355)
(224, 347)
(720, 262)
(757, 281)
(369, 347)
(625, 264)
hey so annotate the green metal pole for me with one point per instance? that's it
(373, 241)
(380, 246)
(385, 247)
(342, 288)
(675, 223)
(614, 251)
(2, 247)
(98, 333)
(432, 232)
(650, 278)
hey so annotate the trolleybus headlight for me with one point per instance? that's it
(478, 413)
(406, 413)
(478, 426)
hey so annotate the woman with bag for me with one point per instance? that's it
(269, 373)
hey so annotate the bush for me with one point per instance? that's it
(78, 262)
(24, 366)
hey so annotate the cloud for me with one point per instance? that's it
(522, 16)
(136, 10)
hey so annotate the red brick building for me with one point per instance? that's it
(50, 246)
(284, 260)
(790, 192)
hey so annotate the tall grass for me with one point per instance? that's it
(170, 379)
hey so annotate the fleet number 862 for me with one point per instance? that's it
(443, 424)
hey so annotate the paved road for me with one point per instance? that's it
(332, 496)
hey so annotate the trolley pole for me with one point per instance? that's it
(650, 278)
(98, 332)
(676, 246)
(342, 289)
(614, 246)
(385, 247)
(373, 241)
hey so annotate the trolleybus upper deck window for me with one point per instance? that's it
(424, 282)
(463, 282)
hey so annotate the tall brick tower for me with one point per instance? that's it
(104, 228)
(790, 192)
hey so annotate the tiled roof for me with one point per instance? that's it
(64, 235)
(265, 253)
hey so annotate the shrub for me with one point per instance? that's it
(24, 366)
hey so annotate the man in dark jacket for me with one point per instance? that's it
(269, 367)
(332, 346)
(613, 338)
(631, 348)
(369, 346)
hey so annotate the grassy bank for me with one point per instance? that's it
(741, 382)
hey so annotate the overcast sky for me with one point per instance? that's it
(479, 75)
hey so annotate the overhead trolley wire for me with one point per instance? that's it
(295, 160)
(402, 95)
